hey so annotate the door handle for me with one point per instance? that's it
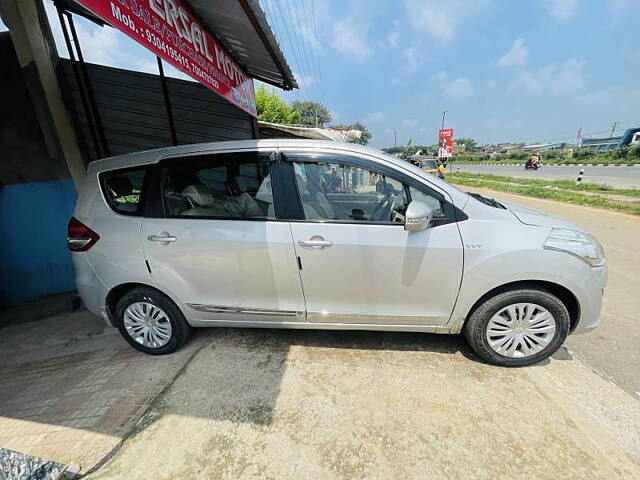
(316, 241)
(163, 237)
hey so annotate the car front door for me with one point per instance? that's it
(359, 265)
(216, 244)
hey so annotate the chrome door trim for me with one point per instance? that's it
(244, 310)
(367, 318)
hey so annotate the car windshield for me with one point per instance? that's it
(429, 164)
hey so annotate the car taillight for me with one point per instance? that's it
(80, 238)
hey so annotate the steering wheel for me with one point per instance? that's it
(382, 209)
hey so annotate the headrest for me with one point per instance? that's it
(199, 194)
(120, 186)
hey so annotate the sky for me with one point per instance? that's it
(504, 70)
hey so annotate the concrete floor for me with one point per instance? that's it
(619, 177)
(304, 404)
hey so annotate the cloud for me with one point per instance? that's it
(461, 87)
(375, 117)
(410, 122)
(396, 82)
(349, 39)
(439, 18)
(555, 78)
(304, 81)
(491, 84)
(560, 9)
(413, 57)
(438, 77)
(393, 38)
(516, 56)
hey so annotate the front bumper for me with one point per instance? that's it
(590, 298)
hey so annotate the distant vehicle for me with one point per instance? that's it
(434, 167)
(630, 137)
(316, 235)
(534, 162)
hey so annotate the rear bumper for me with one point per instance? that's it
(92, 291)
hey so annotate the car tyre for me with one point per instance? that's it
(481, 323)
(146, 308)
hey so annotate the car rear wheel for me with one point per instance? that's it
(151, 322)
(518, 328)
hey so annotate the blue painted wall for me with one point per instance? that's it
(35, 261)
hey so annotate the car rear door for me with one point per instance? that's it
(359, 265)
(216, 244)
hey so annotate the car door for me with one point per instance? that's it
(358, 263)
(217, 246)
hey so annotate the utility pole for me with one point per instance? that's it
(395, 139)
(443, 115)
(613, 128)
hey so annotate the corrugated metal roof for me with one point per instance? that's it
(134, 115)
(241, 26)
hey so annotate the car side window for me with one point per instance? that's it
(221, 186)
(340, 192)
(123, 189)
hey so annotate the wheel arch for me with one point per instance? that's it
(117, 292)
(563, 293)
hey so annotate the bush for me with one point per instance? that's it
(634, 151)
(583, 152)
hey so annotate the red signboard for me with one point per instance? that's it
(445, 142)
(169, 30)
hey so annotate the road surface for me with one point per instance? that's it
(291, 404)
(619, 177)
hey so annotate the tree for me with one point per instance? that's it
(272, 108)
(364, 138)
(470, 144)
(312, 114)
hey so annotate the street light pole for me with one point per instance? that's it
(443, 115)
(395, 139)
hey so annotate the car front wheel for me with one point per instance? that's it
(151, 322)
(518, 327)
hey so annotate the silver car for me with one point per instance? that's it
(323, 235)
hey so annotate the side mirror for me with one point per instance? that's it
(417, 217)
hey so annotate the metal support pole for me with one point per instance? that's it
(81, 89)
(167, 102)
(90, 92)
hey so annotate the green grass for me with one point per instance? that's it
(560, 184)
(537, 188)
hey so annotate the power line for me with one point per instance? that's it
(295, 44)
(317, 48)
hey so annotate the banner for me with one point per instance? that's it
(445, 142)
(170, 31)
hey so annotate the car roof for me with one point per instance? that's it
(153, 156)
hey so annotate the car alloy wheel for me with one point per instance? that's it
(520, 330)
(147, 324)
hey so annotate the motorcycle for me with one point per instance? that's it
(532, 164)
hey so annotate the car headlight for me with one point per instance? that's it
(580, 244)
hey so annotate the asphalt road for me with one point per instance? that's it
(620, 177)
(352, 405)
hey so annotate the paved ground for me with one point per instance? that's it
(71, 389)
(301, 404)
(620, 177)
(296, 404)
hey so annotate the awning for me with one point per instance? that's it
(241, 26)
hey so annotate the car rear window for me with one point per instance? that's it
(123, 189)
